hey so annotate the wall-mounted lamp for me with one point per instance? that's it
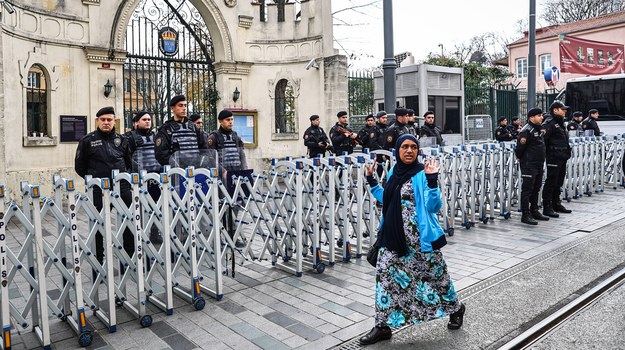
(107, 88)
(236, 94)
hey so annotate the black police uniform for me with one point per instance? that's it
(558, 152)
(366, 136)
(432, 131)
(502, 134)
(530, 150)
(513, 130)
(316, 140)
(591, 124)
(99, 153)
(573, 125)
(340, 142)
(392, 133)
(175, 136)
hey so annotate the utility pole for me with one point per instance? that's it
(531, 58)
(389, 64)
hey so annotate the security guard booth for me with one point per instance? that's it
(443, 92)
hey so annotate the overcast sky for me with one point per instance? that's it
(420, 26)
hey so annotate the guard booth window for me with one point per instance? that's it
(37, 102)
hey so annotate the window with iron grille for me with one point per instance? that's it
(545, 63)
(37, 102)
(284, 108)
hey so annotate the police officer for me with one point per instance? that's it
(590, 123)
(410, 124)
(574, 127)
(141, 145)
(515, 127)
(398, 128)
(367, 132)
(530, 151)
(232, 159)
(502, 133)
(429, 129)
(197, 120)
(381, 126)
(98, 153)
(558, 152)
(178, 136)
(343, 138)
(315, 139)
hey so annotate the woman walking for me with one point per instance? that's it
(412, 282)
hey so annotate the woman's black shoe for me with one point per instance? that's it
(375, 335)
(456, 319)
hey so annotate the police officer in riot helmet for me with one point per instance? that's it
(179, 136)
(530, 151)
(574, 127)
(502, 133)
(590, 123)
(315, 139)
(343, 138)
(558, 152)
(98, 154)
(398, 128)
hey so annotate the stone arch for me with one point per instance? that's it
(215, 22)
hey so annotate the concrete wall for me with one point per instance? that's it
(81, 44)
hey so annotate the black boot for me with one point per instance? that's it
(538, 216)
(548, 211)
(558, 207)
(376, 334)
(456, 319)
(527, 218)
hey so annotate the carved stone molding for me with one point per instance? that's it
(230, 3)
(284, 74)
(245, 21)
(91, 2)
(236, 68)
(97, 54)
(41, 58)
(48, 26)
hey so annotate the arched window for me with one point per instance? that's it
(284, 108)
(280, 5)
(37, 102)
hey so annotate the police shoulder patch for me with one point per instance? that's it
(389, 139)
(158, 141)
(210, 141)
(372, 134)
(522, 140)
(305, 137)
(498, 132)
(117, 141)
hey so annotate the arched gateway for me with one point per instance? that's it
(170, 52)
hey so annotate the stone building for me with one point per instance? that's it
(272, 62)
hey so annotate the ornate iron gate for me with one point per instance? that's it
(170, 52)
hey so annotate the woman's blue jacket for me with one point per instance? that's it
(427, 203)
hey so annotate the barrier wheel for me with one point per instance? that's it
(450, 232)
(118, 301)
(146, 321)
(199, 303)
(85, 338)
(467, 225)
(320, 268)
(286, 258)
(485, 220)
(339, 243)
(506, 215)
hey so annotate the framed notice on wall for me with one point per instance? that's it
(245, 124)
(73, 127)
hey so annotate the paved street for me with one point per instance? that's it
(264, 307)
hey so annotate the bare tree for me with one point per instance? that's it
(565, 11)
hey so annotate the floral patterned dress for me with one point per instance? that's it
(414, 288)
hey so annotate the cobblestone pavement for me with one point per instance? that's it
(267, 308)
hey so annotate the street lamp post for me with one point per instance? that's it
(389, 64)
(531, 58)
